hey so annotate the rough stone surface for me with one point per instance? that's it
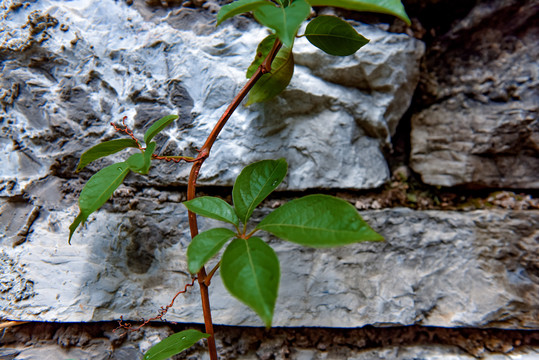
(481, 85)
(77, 66)
(97, 341)
(436, 268)
(69, 68)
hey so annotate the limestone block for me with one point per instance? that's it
(481, 87)
(474, 269)
(91, 63)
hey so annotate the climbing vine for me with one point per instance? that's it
(249, 267)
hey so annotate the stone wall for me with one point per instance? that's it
(480, 100)
(442, 119)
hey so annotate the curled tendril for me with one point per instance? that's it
(128, 327)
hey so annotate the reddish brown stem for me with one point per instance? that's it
(127, 131)
(210, 275)
(191, 185)
(264, 68)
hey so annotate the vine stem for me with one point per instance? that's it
(204, 152)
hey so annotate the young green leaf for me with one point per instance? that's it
(318, 221)
(101, 186)
(214, 208)
(285, 21)
(262, 51)
(174, 344)
(334, 36)
(250, 271)
(205, 245)
(104, 149)
(238, 7)
(148, 152)
(98, 190)
(391, 7)
(140, 163)
(158, 126)
(272, 84)
(136, 163)
(255, 183)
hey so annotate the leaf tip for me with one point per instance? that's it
(79, 219)
(404, 17)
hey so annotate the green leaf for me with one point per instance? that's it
(158, 126)
(214, 208)
(284, 3)
(101, 186)
(250, 272)
(140, 163)
(174, 344)
(148, 152)
(285, 21)
(272, 84)
(255, 183)
(205, 245)
(334, 36)
(98, 190)
(81, 218)
(262, 51)
(238, 7)
(391, 7)
(104, 149)
(318, 221)
(136, 162)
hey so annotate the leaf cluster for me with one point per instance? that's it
(284, 18)
(102, 184)
(250, 268)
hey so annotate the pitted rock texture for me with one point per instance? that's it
(481, 82)
(475, 269)
(98, 61)
(93, 340)
(14, 285)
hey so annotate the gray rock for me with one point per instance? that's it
(276, 343)
(476, 269)
(432, 353)
(481, 83)
(94, 62)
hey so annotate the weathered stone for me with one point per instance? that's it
(435, 268)
(92, 340)
(491, 145)
(481, 83)
(103, 60)
(71, 73)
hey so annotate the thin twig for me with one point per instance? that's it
(162, 312)
(128, 131)
(176, 159)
